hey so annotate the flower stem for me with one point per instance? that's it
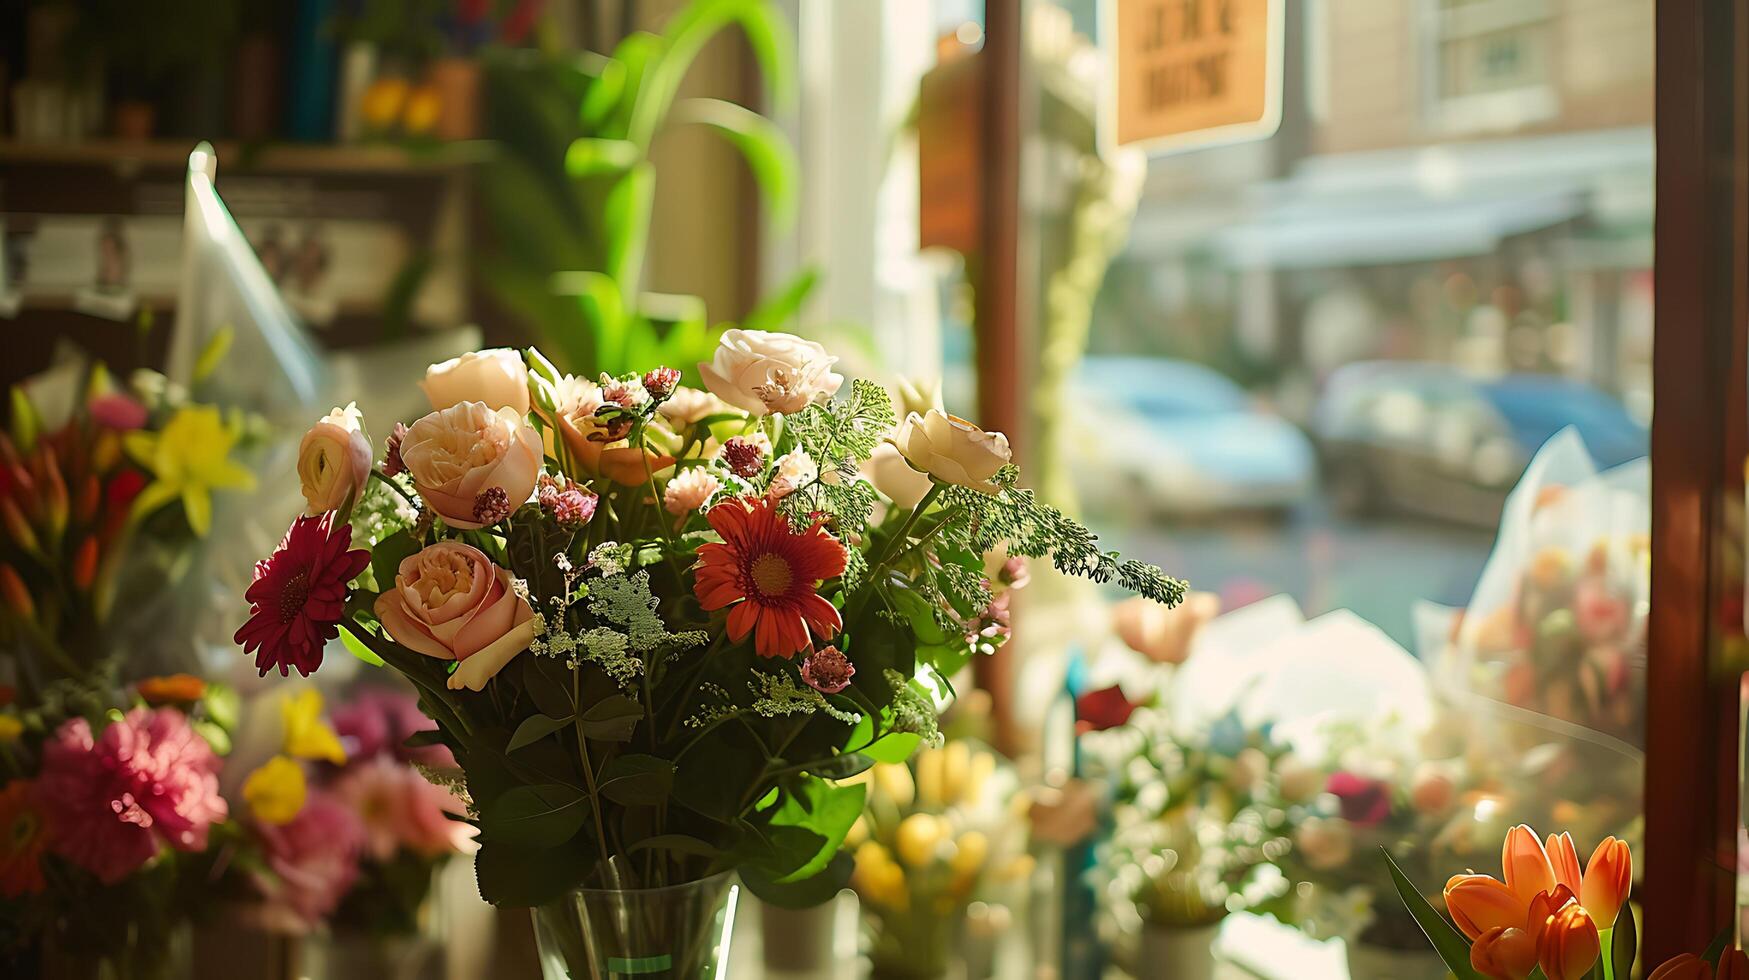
(607, 870)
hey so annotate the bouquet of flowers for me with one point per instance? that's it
(940, 831)
(1202, 819)
(656, 625)
(105, 816)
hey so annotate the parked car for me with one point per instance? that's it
(1179, 438)
(1430, 439)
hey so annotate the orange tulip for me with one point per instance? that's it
(14, 593)
(1608, 876)
(1734, 965)
(1544, 906)
(1683, 966)
(85, 563)
(1525, 863)
(1478, 903)
(1504, 954)
(171, 689)
(1564, 857)
(1569, 944)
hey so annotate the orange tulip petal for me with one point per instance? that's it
(1569, 945)
(1564, 858)
(1683, 966)
(1608, 877)
(1504, 954)
(1525, 864)
(1734, 965)
(1478, 903)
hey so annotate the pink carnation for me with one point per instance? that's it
(399, 808)
(113, 799)
(312, 861)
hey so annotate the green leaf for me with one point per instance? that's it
(424, 737)
(1716, 949)
(512, 875)
(677, 844)
(823, 809)
(590, 156)
(538, 815)
(762, 143)
(626, 228)
(356, 647)
(894, 747)
(612, 719)
(1624, 944)
(637, 780)
(216, 736)
(222, 703)
(534, 728)
(843, 766)
(603, 309)
(779, 309)
(25, 422)
(1446, 940)
(603, 94)
(804, 893)
(386, 557)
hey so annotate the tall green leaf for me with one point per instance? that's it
(775, 311)
(762, 142)
(1446, 940)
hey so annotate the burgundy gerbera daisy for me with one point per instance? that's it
(771, 571)
(299, 595)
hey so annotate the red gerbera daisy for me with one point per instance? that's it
(772, 572)
(299, 595)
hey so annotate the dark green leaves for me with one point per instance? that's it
(1446, 940)
(512, 875)
(534, 728)
(612, 719)
(386, 557)
(637, 780)
(538, 815)
(1623, 944)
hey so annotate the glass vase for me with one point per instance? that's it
(679, 932)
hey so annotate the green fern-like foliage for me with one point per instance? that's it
(978, 522)
(839, 436)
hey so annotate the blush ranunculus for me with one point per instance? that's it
(334, 460)
(496, 377)
(451, 602)
(763, 372)
(458, 454)
(952, 450)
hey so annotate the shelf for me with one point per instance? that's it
(236, 157)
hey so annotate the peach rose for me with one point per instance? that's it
(497, 377)
(689, 406)
(450, 602)
(952, 450)
(334, 460)
(597, 450)
(457, 455)
(763, 372)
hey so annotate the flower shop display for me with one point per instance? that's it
(939, 832)
(1549, 917)
(1202, 819)
(657, 627)
(107, 806)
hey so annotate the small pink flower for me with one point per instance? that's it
(399, 808)
(491, 505)
(827, 670)
(118, 411)
(661, 382)
(689, 491)
(114, 797)
(1364, 802)
(392, 464)
(744, 457)
(311, 862)
(377, 721)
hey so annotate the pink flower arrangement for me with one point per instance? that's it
(399, 808)
(378, 721)
(114, 798)
(313, 860)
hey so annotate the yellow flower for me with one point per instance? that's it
(918, 837)
(307, 735)
(10, 728)
(275, 792)
(189, 459)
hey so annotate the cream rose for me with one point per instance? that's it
(497, 377)
(763, 373)
(457, 455)
(334, 460)
(451, 602)
(891, 475)
(952, 450)
(689, 406)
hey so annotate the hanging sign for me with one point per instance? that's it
(1185, 73)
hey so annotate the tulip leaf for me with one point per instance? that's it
(1447, 941)
(534, 728)
(1716, 949)
(1623, 944)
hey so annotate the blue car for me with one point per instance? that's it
(1179, 438)
(1428, 438)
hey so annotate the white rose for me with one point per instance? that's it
(687, 406)
(763, 373)
(952, 450)
(334, 460)
(496, 377)
(891, 475)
